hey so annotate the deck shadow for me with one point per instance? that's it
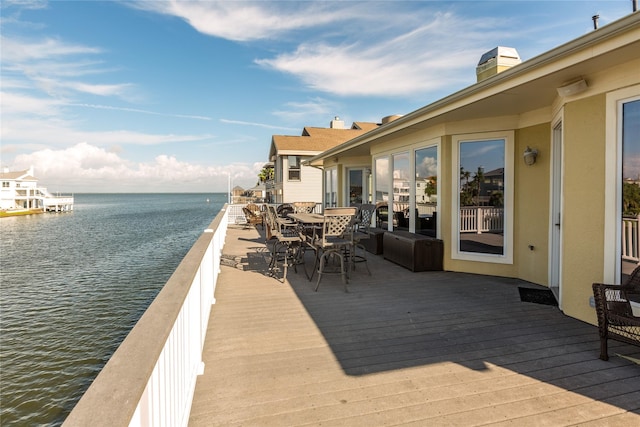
(396, 319)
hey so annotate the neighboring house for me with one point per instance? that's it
(238, 194)
(557, 219)
(258, 193)
(293, 181)
(20, 191)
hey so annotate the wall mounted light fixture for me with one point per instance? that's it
(530, 156)
(572, 88)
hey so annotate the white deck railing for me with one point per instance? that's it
(150, 379)
(481, 219)
(630, 239)
(236, 216)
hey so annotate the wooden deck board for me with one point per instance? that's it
(401, 348)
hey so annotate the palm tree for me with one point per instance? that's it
(479, 178)
(265, 174)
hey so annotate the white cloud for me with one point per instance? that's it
(309, 111)
(245, 21)
(137, 110)
(52, 67)
(24, 4)
(261, 125)
(408, 49)
(417, 60)
(20, 51)
(87, 168)
(17, 103)
(59, 132)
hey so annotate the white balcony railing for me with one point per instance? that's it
(630, 239)
(150, 379)
(481, 219)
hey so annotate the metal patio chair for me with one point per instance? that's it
(303, 207)
(286, 249)
(361, 232)
(334, 241)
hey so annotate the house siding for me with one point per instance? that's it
(307, 189)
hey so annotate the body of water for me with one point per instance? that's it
(72, 286)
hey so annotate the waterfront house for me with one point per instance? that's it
(20, 193)
(556, 133)
(294, 181)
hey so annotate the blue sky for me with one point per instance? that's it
(153, 96)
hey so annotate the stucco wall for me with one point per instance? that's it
(583, 210)
(530, 210)
(531, 207)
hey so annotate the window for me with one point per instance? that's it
(622, 152)
(5, 184)
(401, 190)
(630, 175)
(294, 168)
(356, 186)
(382, 190)
(331, 187)
(483, 205)
(426, 196)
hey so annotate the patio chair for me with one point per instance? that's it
(616, 318)
(303, 207)
(335, 241)
(253, 217)
(283, 210)
(286, 248)
(362, 232)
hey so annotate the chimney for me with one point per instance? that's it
(389, 119)
(496, 61)
(336, 123)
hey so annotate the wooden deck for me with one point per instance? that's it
(402, 348)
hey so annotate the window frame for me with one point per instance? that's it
(330, 187)
(613, 183)
(294, 169)
(431, 144)
(509, 141)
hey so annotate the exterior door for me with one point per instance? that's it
(555, 261)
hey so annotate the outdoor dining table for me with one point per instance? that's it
(307, 218)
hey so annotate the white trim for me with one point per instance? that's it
(509, 183)
(613, 180)
(330, 172)
(556, 196)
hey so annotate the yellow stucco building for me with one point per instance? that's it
(520, 174)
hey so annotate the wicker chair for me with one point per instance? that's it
(616, 319)
(254, 217)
